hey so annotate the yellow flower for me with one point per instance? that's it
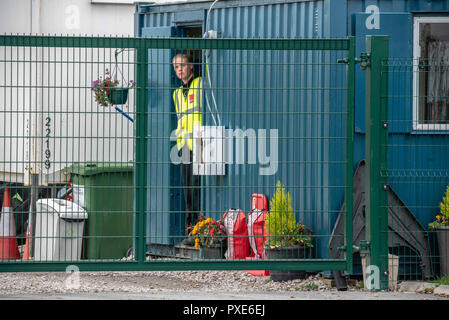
(197, 243)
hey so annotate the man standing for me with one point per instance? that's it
(188, 102)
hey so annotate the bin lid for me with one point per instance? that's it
(93, 168)
(64, 208)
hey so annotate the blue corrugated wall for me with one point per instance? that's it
(310, 148)
(311, 19)
(301, 117)
(417, 160)
(410, 150)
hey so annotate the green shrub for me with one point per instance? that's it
(442, 219)
(281, 222)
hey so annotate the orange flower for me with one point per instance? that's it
(197, 243)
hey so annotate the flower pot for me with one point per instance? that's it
(443, 245)
(118, 96)
(288, 253)
(213, 252)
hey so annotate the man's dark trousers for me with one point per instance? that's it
(192, 188)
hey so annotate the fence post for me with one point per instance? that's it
(376, 163)
(349, 180)
(141, 151)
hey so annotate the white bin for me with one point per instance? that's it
(59, 230)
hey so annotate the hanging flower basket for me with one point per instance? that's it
(108, 89)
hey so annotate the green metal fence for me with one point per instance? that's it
(121, 164)
(413, 169)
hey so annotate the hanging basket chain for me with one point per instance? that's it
(117, 69)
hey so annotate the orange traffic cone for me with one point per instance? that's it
(27, 252)
(9, 250)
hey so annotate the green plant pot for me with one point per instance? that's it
(288, 253)
(442, 234)
(214, 252)
(118, 96)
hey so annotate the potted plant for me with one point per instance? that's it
(288, 239)
(210, 238)
(109, 92)
(441, 226)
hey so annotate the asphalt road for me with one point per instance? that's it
(198, 295)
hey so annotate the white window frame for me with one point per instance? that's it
(416, 55)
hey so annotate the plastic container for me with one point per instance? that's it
(288, 253)
(118, 96)
(443, 245)
(105, 190)
(59, 230)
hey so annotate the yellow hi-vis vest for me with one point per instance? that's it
(188, 111)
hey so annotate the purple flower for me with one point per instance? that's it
(95, 83)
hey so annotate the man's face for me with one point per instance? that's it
(182, 68)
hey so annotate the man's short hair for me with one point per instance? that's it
(183, 55)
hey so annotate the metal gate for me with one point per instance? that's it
(276, 118)
(412, 168)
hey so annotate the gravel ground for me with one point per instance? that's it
(184, 285)
(152, 281)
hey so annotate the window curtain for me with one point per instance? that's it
(438, 82)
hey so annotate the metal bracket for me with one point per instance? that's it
(364, 248)
(364, 60)
(344, 248)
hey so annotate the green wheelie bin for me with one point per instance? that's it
(105, 190)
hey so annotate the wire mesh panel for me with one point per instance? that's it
(417, 172)
(247, 151)
(67, 148)
(215, 153)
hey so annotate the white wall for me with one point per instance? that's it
(79, 17)
(64, 17)
(81, 130)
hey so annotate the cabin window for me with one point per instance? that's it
(431, 73)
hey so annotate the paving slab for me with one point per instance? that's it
(442, 290)
(416, 286)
